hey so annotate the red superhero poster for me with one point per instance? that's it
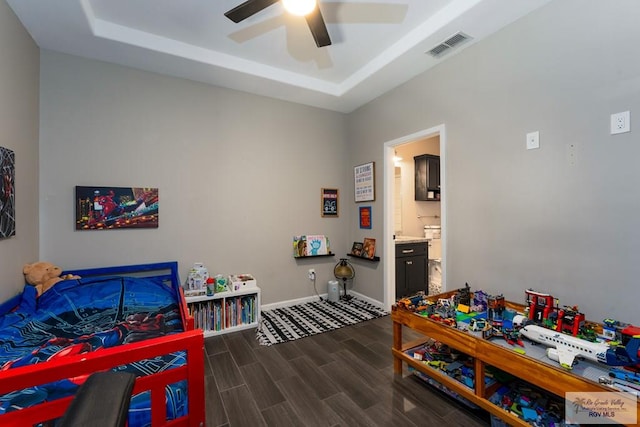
(106, 208)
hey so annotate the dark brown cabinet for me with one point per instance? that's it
(411, 268)
(427, 171)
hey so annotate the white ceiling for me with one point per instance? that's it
(376, 45)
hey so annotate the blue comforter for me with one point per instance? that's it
(84, 315)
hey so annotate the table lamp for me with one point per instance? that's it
(345, 272)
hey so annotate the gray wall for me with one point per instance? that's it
(238, 175)
(516, 218)
(19, 63)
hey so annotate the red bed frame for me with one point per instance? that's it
(191, 341)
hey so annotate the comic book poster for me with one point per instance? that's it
(105, 208)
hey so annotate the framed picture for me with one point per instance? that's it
(369, 247)
(7, 193)
(329, 202)
(356, 249)
(365, 217)
(364, 181)
(107, 208)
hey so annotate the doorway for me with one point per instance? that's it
(390, 207)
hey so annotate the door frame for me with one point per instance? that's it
(389, 279)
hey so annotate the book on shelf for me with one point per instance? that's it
(356, 249)
(369, 247)
(310, 245)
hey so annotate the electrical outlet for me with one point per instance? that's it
(312, 274)
(533, 140)
(620, 122)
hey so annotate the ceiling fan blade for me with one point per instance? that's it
(318, 28)
(247, 9)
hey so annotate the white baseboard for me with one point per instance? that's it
(367, 299)
(289, 303)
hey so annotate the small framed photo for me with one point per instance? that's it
(365, 217)
(364, 182)
(329, 202)
(356, 249)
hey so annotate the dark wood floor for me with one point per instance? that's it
(338, 378)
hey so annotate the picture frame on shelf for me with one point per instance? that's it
(365, 217)
(356, 249)
(364, 182)
(369, 248)
(329, 202)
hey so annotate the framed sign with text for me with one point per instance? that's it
(364, 181)
(329, 202)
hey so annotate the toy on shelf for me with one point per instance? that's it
(567, 334)
(530, 404)
(622, 379)
(565, 348)
(239, 282)
(540, 305)
(588, 332)
(570, 320)
(414, 302)
(463, 296)
(495, 306)
(453, 363)
(618, 332)
(626, 375)
(479, 303)
(610, 329)
(196, 280)
(512, 337)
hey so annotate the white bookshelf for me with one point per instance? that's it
(226, 312)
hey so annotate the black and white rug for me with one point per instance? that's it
(298, 321)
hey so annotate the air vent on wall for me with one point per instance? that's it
(444, 47)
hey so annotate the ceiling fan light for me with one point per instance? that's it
(299, 7)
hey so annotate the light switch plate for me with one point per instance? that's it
(533, 140)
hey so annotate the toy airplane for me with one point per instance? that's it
(565, 348)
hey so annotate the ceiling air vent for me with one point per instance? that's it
(444, 47)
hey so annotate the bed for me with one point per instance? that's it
(128, 318)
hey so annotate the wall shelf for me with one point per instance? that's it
(374, 259)
(315, 256)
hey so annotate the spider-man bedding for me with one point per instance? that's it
(77, 317)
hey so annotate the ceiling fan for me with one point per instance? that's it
(312, 15)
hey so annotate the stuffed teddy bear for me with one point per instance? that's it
(43, 275)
